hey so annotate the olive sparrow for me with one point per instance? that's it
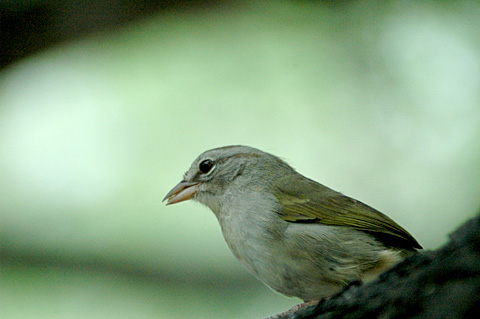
(297, 236)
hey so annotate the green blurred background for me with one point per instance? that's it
(377, 100)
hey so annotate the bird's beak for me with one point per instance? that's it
(181, 192)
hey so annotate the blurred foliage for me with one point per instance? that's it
(379, 100)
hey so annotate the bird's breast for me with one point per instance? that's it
(253, 234)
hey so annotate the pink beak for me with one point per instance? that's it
(181, 192)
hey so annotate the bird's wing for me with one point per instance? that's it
(309, 201)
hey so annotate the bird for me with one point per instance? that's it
(299, 237)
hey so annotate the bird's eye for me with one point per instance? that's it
(205, 166)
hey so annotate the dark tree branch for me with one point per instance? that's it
(27, 27)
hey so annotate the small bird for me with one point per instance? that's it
(297, 236)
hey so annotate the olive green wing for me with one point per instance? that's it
(309, 201)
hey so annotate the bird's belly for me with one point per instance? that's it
(295, 277)
(285, 272)
(309, 261)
